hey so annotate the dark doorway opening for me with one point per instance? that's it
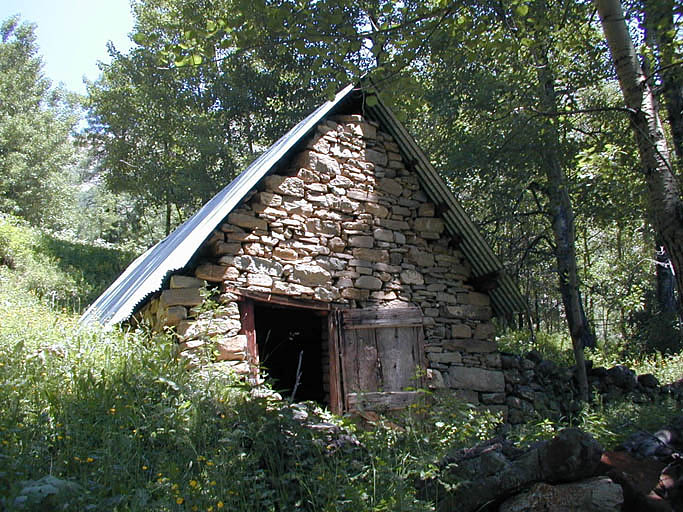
(292, 341)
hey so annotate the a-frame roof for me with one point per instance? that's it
(148, 272)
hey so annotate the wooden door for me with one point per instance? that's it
(382, 357)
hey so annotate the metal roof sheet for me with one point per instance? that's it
(147, 273)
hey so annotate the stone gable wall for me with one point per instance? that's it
(346, 222)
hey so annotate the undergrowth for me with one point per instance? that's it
(66, 273)
(95, 420)
(128, 427)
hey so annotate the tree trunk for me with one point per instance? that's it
(659, 23)
(663, 190)
(563, 223)
(666, 300)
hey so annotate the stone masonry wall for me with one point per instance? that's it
(345, 222)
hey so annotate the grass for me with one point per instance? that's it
(95, 420)
(118, 423)
(67, 273)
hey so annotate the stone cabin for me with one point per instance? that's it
(344, 267)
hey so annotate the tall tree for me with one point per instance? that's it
(664, 193)
(36, 122)
(173, 136)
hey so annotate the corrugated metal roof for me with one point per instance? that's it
(147, 273)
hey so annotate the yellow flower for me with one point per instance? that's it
(145, 468)
(179, 500)
(209, 463)
(219, 504)
(210, 509)
(212, 482)
(174, 487)
(193, 483)
(89, 459)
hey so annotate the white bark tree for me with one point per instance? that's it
(664, 192)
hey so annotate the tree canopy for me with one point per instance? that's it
(37, 154)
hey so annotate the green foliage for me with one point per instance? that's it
(37, 157)
(112, 420)
(555, 347)
(609, 424)
(171, 138)
(65, 272)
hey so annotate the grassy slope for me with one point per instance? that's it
(116, 414)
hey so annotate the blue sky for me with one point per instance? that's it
(73, 34)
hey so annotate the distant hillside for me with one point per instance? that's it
(69, 273)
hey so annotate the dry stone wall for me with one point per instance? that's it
(346, 222)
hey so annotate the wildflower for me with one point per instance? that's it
(145, 468)
(209, 463)
(90, 459)
(193, 483)
(212, 482)
(179, 500)
(174, 487)
(219, 504)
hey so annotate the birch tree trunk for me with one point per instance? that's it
(664, 193)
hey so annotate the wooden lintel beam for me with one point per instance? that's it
(282, 300)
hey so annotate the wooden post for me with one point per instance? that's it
(248, 322)
(336, 404)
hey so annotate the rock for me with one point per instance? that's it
(375, 255)
(509, 361)
(47, 493)
(637, 477)
(571, 455)
(412, 277)
(471, 345)
(368, 283)
(174, 315)
(461, 331)
(258, 265)
(376, 157)
(247, 221)
(233, 348)
(648, 380)
(622, 377)
(310, 274)
(180, 297)
(478, 379)
(178, 281)
(599, 494)
(326, 293)
(468, 312)
(390, 186)
(383, 235)
(363, 241)
(429, 224)
(260, 280)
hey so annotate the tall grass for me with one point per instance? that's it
(119, 423)
(93, 420)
